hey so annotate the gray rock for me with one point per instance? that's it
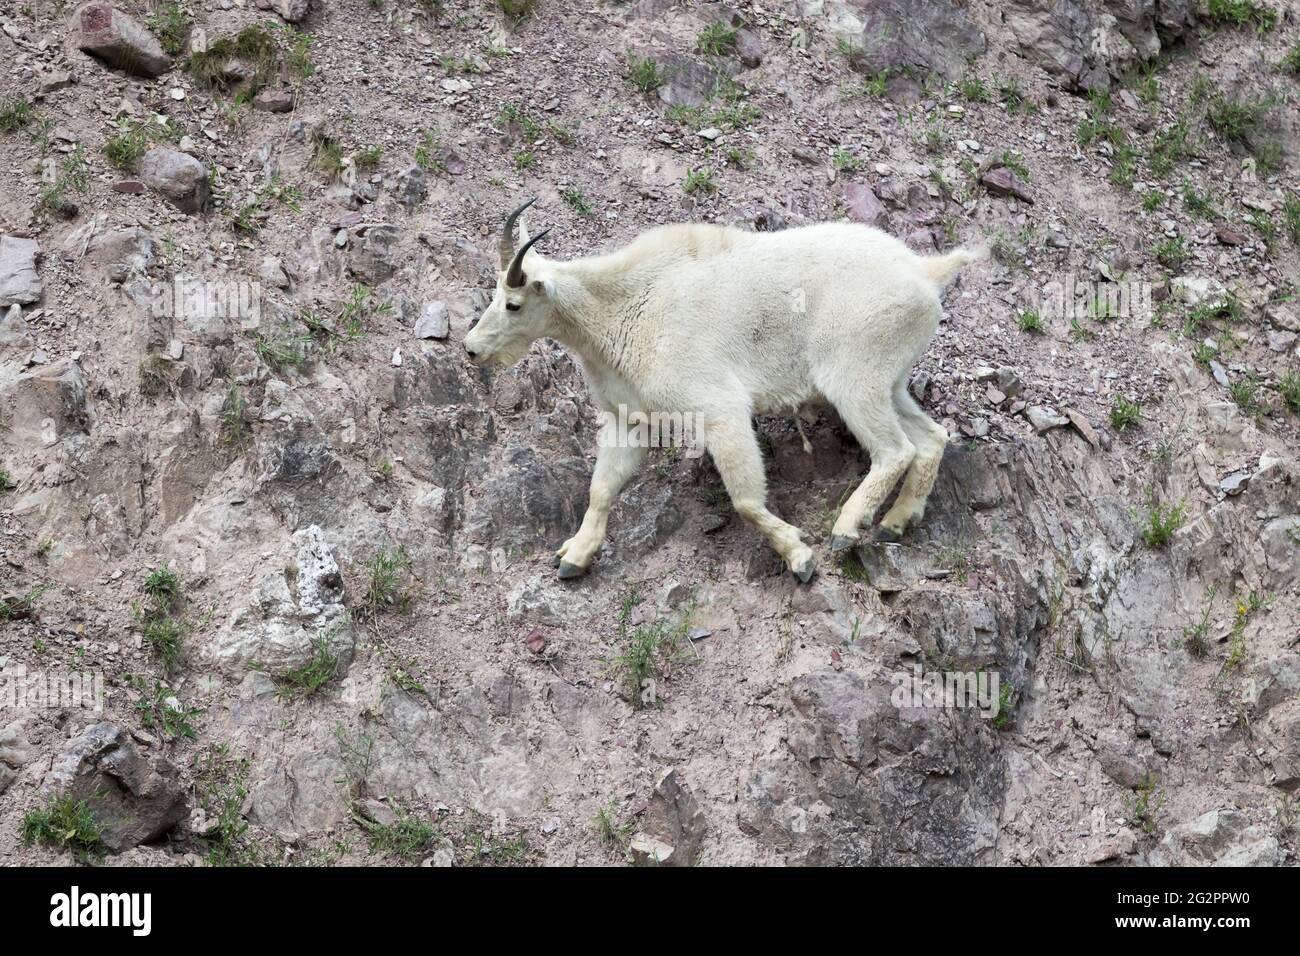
(688, 80)
(15, 752)
(125, 253)
(409, 186)
(433, 322)
(674, 825)
(292, 11)
(1044, 418)
(117, 39)
(291, 611)
(374, 259)
(134, 797)
(14, 332)
(274, 101)
(19, 281)
(178, 176)
(1223, 837)
(897, 36)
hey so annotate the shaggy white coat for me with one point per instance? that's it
(724, 324)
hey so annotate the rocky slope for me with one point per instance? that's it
(252, 482)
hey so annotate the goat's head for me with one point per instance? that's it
(521, 310)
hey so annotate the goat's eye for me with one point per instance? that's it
(512, 306)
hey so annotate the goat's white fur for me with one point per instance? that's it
(725, 324)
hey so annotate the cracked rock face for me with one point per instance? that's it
(292, 615)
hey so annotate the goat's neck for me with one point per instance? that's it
(597, 313)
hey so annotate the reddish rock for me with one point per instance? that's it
(117, 39)
(1003, 181)
(1230, 237)
(863, 204)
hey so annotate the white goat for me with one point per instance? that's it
(723, 324)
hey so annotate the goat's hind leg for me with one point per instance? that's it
(930, 438)
(734, 448)
(870, 413)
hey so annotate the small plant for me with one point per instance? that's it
(524, 160)
(221, 787)
(700, 181)
(644, 74)
(322, 667)
(1125, 414)
(1153, 200)
(1169, 149)
(1171, 253)
(648, 654)
(516, 11)
(577, 201)
(367, 160)
(1241, 13)
(171, 24)
(7, 482)
(327, 156)
(160, 710)
(389, 585)
(1289, 388)
(281, 349)
(844, 161)
(298, 59)
(1197, 204)
(408, 837)
(974, 90)
(1013, 96)
(1291, 217)
(234, 427)
(15, 113)
(1291, 62)
(717, 39)
(426, 153)
(613, 836)
(254, 47)
(1245, 392)
(1142, 804)
(1006, 716)
(1196, 635)
(1161, 522)
(65, 824)
(1031, 321)
(163, 585)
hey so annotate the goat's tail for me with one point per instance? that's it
(941, 270)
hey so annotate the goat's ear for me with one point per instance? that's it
(544, 287)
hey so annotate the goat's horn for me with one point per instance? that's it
(507, 246)
(515, 276)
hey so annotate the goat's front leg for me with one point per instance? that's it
(615, 464)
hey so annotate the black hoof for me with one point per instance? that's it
(842, 542)
(568, 570)
(885, 535)
(803, 572)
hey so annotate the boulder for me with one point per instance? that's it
(135, 797)
(119, 40)
(19, 282)
(181, 178)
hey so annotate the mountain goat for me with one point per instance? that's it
(723, 324)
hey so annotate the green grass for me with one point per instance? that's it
(1142, 804)
(426, 152)
(1006, 716)
(221, 788)
(15, 113)
(1289, 388)
(1153, 200)
(612, 835)
(717, 39)
(65, 824)
(298, 59)
(644, 74)
(163, 585)
(327, 156)
(171, 25)
(409, 837)
(253, 46)
(1241, 123)
(281, 349)
(647, 654)
(974, 90)
(1241, 13)
(1125, 414)
(1244, 390)
(7, 482)
(577, 201)
(1169, 149)
(389, 583)
(1160, 522)
(321, 668)
(1290, 63)
(1171, 253)
(700, 181)
(1031, 321)
(159, 710)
